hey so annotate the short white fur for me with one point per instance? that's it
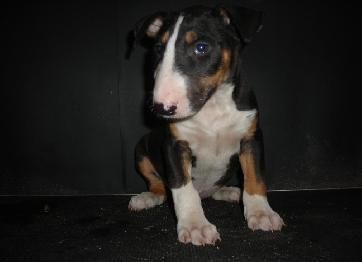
(187, 201)
(214, 135)
(170, 86)
(259, 214)
(192, 225)
(145, 200)
(154, 27)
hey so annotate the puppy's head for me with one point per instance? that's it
(196, 51)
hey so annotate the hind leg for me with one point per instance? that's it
(157, 193)
(228, 194)
(145, 200)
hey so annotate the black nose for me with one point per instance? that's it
(161, 109)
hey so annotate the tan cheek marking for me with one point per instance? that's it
(252, 184)
(222, 72)
(165, 37)
(190, 37)
(155, 184)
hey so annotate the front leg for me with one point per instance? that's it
(192, 225)
(257, 210)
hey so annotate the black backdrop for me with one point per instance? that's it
(72, 105)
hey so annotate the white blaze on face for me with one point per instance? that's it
(170, 85)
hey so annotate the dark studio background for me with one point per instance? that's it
(72, 105)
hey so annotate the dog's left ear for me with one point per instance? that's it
(246, 21)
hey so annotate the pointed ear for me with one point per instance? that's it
(246, 21)
(150, 26)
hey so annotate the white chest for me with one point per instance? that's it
(214, 135)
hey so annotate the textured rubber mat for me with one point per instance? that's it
(321, 226)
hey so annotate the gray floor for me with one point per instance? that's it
(321, 226)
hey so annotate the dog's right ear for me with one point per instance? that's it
(149, 27)
(145, 30)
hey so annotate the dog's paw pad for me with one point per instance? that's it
(199, 235)
(265, 220)
(145, 200)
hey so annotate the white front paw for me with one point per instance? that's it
(264, 220)
(260, 215)
(192, 225)
(197, 233)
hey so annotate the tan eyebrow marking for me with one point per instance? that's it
(190, 37)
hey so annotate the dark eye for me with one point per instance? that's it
(201, 48)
